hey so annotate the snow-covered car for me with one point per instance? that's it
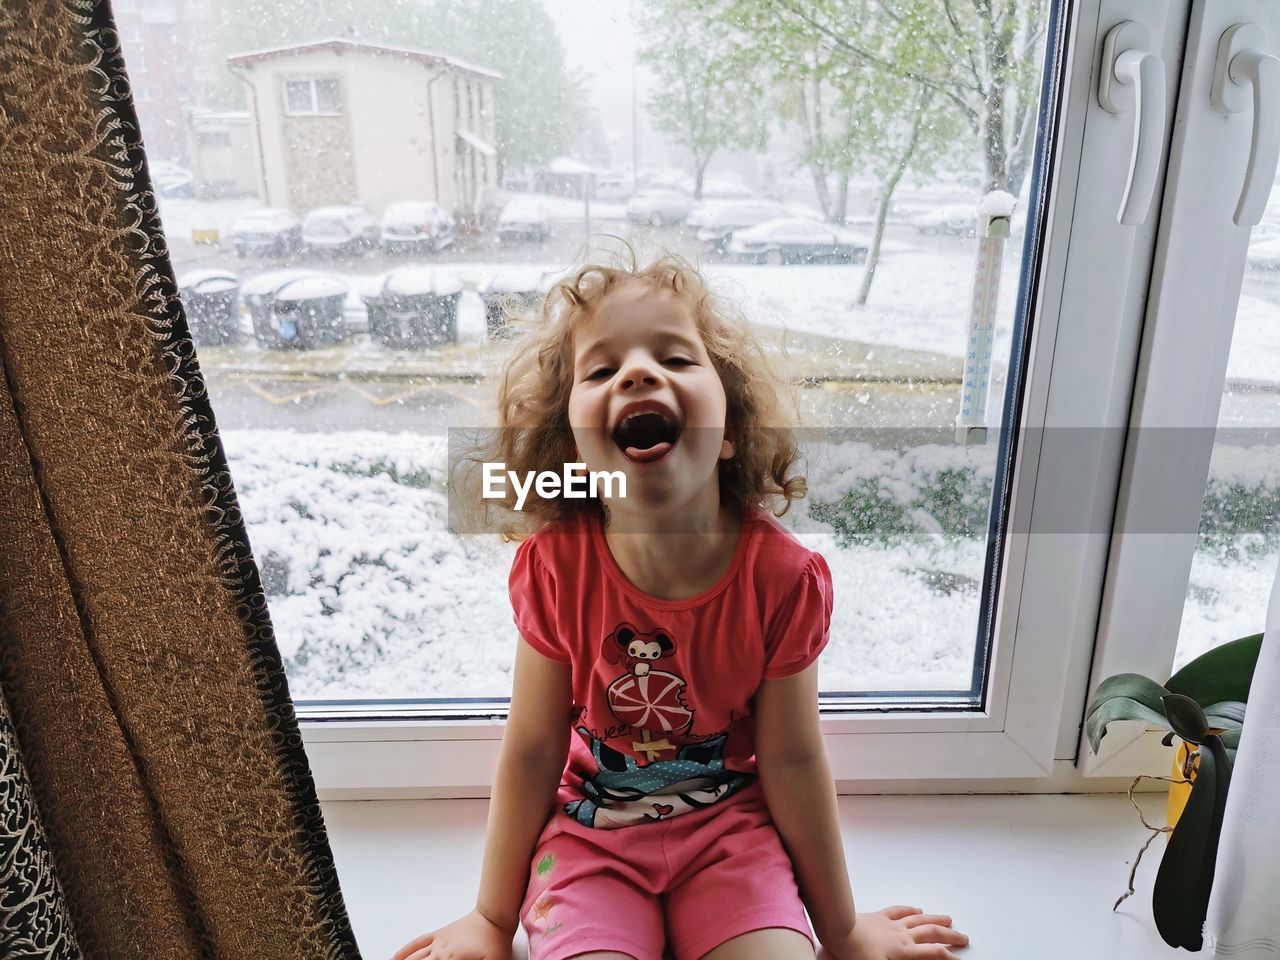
(656, 207)
(702, 212)
(725, 190)
(731, 215)
(794, 240)
(416, 226)
(171, 180)
(271, 231)
(614, 187)
(524, 218)
(345, 229)
(958, 219)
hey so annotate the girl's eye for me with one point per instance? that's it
(681, 361)
(600, 373)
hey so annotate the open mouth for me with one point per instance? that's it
(646, 433)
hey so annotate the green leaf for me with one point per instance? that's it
(1186, 717)
(1230, 711)
(1181, 896)
(1119, 708)
(1223, 673)
(1125, 696)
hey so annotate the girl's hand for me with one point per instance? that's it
(472, 937)
(896, 933)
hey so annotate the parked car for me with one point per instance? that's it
(614, 187)
(958, 219)
(702, 212)
(416, 226)
(524, 218)
(795, 240)
(725, 190)
(731, 215)
(171, 180)
(271, 231)
(346, 229)
(656, 207)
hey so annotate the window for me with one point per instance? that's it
(213, 138)
(1196, 519)
(318, 97)
(968, 521)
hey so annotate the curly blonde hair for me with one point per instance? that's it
(533, 395)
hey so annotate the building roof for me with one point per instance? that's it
(343, 44)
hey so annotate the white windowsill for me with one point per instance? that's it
(1021, 875)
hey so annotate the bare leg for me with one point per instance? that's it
(771, 943)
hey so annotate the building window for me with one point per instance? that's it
(213, 138)
(312, 97)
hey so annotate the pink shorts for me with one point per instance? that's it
(689, 883)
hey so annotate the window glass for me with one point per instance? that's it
(298, 96)
(327, 96)
(1238, 547)
(540, 129)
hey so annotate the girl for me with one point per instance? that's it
(669, 633)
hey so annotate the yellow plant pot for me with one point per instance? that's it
(1179, 793)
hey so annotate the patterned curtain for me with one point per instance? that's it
(154, 797)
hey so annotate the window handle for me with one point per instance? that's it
(1132, 79)
(1241, 64)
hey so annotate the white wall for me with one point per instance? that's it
(385, 103)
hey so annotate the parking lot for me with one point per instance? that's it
(868, 366)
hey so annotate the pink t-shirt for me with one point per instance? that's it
(663, 690)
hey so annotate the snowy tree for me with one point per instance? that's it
(542, 105)
(702, 100)
(851, 118)
(979, 59)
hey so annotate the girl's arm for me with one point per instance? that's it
(530, 762)
(801, 794)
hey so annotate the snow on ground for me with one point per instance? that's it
(371, 596)
(1255, 345)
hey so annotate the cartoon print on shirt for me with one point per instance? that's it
(645, 698)
(639, 649)
(624, 791)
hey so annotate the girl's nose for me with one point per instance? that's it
(639, 372)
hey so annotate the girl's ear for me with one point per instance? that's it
(726, 445)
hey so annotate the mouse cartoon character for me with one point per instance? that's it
(637, 650)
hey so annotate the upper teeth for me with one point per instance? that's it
(640, 413)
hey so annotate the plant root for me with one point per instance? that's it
(1155, 832)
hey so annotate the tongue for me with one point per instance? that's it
(655, 452)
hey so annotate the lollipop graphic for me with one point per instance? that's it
(645, 698)
(655, 700)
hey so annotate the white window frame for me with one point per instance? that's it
(1186, 345)
(314, 110)
(1088, 307)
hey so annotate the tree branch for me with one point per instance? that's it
(955, 26)
(892, 69)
